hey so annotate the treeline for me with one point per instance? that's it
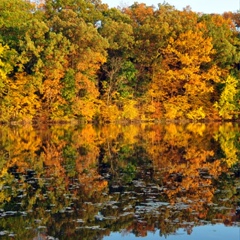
(80, 59)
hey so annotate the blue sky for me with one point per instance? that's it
(205, 6)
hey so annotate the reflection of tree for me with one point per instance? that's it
(186, 162)
(68, 182)
(228, 138)
(42, 177)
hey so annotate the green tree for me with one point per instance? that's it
(118, 70)
(224, 39)
(13, 20)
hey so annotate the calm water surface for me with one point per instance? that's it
(120, 182)
(210, 232)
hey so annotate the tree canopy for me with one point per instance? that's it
(71, 60)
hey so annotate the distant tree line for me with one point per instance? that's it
(79, 59)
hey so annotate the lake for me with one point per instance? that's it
(140, 181)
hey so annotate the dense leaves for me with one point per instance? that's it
(66, 60)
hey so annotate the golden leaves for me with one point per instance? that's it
(130, 111)
(183, 84)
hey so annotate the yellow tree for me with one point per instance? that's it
(2, 70)
(185, 80)
(21, 103)
(3, 81)
(85, 103)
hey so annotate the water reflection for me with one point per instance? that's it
(217, 231)
(86, 182)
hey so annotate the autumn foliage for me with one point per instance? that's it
(71, 60)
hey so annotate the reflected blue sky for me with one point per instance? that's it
(208, 232)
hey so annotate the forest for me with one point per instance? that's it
(72, 60)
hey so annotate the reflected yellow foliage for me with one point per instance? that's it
(227, 139)
(22, 146)
(196, 128)
(174, 135)
(188, 163)
(57, 165)
(130, 133)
